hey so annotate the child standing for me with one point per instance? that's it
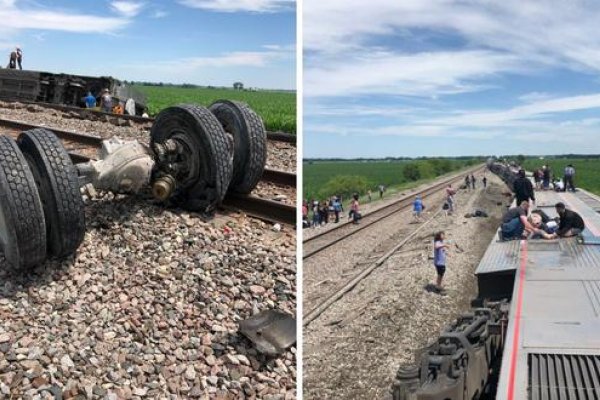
(439, 257)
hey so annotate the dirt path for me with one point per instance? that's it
(355, 347)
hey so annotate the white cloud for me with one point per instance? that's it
(159, 14)
(423, 74)
(259, 6)
(14, 18)
(127, 9)
(340, 34)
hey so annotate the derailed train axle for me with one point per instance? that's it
(196, 155)
(458, 366)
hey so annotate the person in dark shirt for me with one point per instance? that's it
(523, 188)
(571, 223)
(514, 223)
(12, 60)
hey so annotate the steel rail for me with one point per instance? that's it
(277, 136)
(269, 175)
(268, 210)
(322, 241)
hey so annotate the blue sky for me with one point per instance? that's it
(448, 78)
(206, 42)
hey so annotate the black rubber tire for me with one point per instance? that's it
(24, 244)
(249, 143)
(211, 151)
(58, 185)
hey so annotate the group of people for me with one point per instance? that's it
(323, 212)
(519, 223)
(544, 179)
(470, 181)
(106, 101)
(15, 59)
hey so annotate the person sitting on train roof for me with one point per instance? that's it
(12, 60)
(515, 224)
(571, 223)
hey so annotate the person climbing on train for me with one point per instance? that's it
(515, 224)
(418, 208)
(90, 100)
(523, 188)
(440, 250)
(570, 224)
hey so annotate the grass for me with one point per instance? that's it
(587, 170)
(319, 176)
(277, 109)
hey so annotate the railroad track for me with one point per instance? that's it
(314, 311)
(274, 136)
(315, 244)
(83, 148)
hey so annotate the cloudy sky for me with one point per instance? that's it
(207, 42)
(443, 77)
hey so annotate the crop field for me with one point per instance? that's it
(322, 179)
(277, 109)
(587, 170)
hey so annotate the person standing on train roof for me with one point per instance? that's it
(523, 188)
(90, 100)
(546, 175)
(19, 57)
(568, 178)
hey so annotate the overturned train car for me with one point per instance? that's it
(63, 89)
(464, 362)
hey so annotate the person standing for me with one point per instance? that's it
(467, 182)
(337, 208)
(568, 178)
(19, 57)
(106, 101)
(381, 190)
(418, 208)
(473, 181)
(546, 175)
(12, 60)
(523, 188)
(369, 195)
(355, 209)
(439, 258)
(450, 192)
(484, 182)
(90, 100)
(316, 217)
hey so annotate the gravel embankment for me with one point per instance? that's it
(355, 347)
(149, 308)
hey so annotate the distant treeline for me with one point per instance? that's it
(194, 86)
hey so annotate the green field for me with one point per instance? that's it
(277, 109)
(587, 170)
(322, 179)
